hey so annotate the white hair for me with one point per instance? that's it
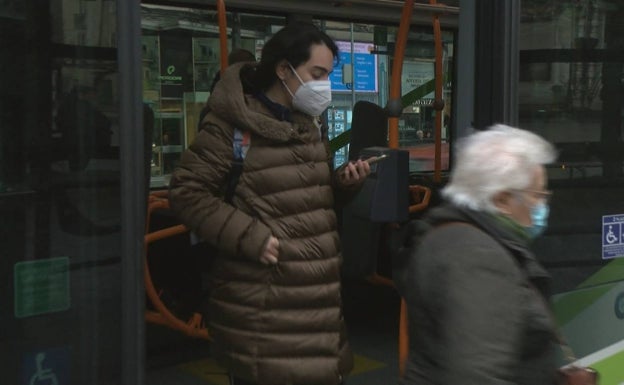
(498, 159)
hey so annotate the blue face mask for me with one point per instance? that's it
(539, 219)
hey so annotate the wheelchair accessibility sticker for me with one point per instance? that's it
(49, 367)
(612, 236)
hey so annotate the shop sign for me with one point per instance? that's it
(415, 74)
(423, 102)
(170, 78)
(176, 74)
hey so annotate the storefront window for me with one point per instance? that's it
(417, 124)
(570, 91)
(181, 59)
(363, 74)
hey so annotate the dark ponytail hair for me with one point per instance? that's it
(291, 43)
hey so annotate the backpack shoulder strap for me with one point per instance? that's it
(240, 145)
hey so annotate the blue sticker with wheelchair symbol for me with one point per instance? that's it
(47, 366)
(612, 236)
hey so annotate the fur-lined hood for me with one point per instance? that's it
(230, 102)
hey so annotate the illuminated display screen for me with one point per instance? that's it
(364, 70)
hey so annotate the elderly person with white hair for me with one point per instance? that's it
(475, 293)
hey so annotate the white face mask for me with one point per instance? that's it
(312, 97)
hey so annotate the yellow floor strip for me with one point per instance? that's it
(362, 364)
(209, 371)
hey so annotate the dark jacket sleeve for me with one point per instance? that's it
(472, 290)
(196, 189)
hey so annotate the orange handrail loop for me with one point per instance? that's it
(161, 315)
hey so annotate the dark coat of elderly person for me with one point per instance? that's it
(476, 295)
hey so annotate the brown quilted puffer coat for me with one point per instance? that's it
(280, 324)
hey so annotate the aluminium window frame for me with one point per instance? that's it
(133, 199)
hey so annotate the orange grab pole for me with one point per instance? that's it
(403, 338)
(393, 139)
(419, 193)
(397, 68)
(222, 34)
(161, 314)
(439, 102)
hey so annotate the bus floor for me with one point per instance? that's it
(372, 316)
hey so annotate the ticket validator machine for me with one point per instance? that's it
(383, 199)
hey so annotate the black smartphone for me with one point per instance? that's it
(375, 159)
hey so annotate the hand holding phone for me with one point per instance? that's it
(355, 171)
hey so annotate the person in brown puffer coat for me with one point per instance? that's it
(275, 305)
